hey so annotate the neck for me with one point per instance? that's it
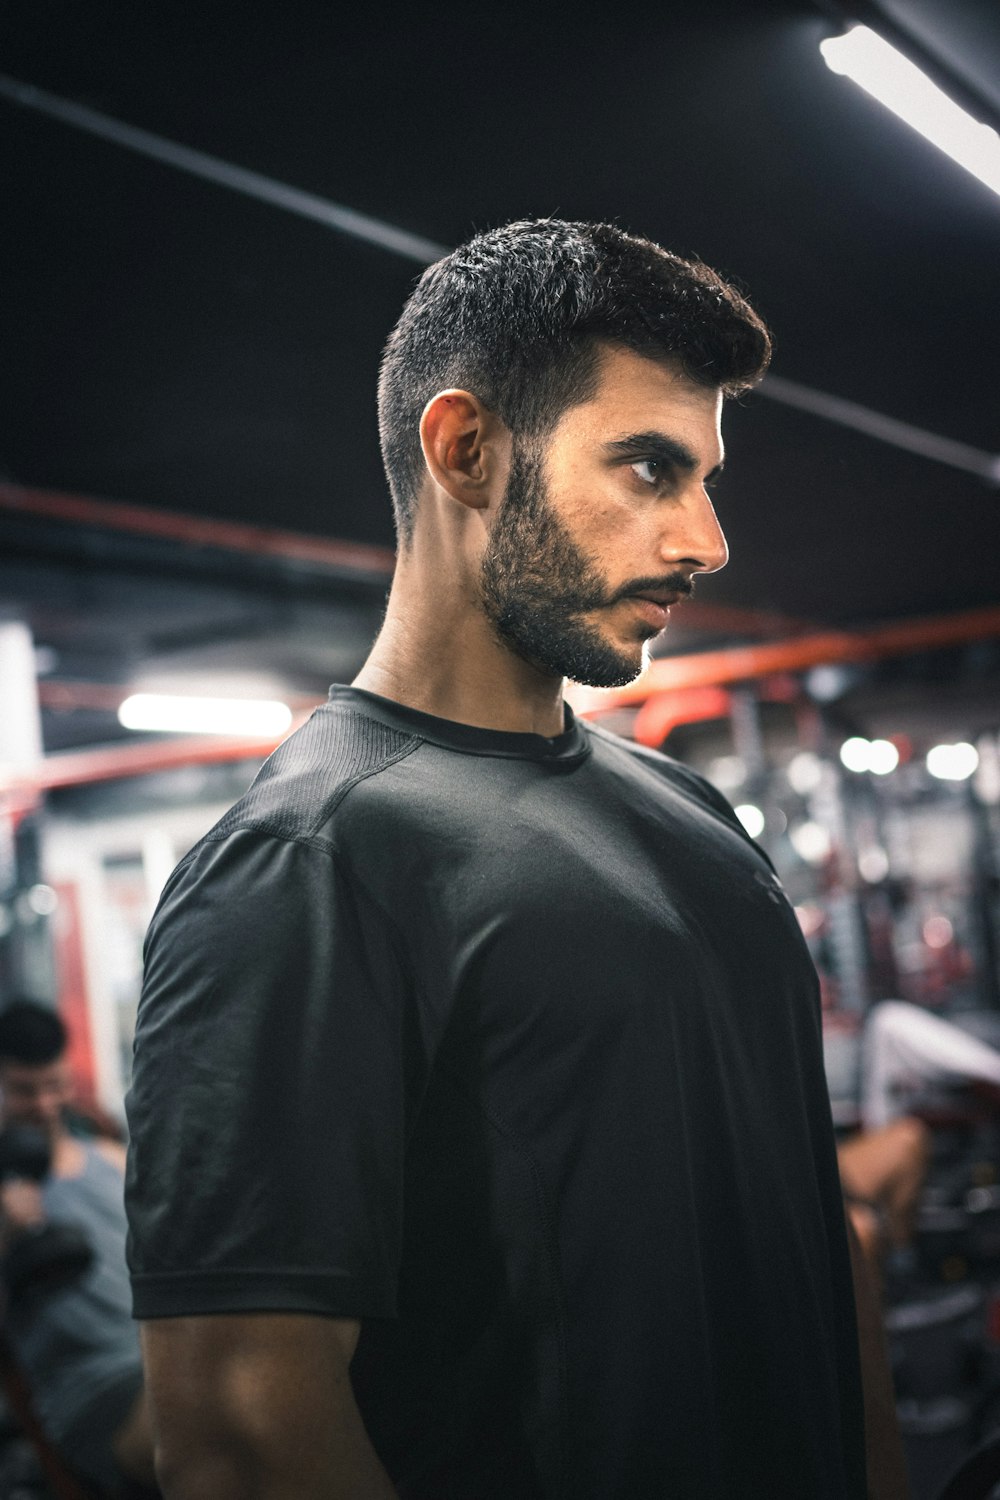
(437, 652)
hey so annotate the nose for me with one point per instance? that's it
(692, 535)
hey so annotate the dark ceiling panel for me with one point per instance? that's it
(170, 343)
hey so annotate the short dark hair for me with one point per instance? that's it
(31, 1034)
(518, 316)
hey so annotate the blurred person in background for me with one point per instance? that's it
(886, 1061)
(905, 1047)
(883, 1173)
(76, 1343)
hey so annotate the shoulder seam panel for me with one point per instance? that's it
(276, 830)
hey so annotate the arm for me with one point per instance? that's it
(112, 1151)
(21, 1208)
(883, 1446)
(258, 1407)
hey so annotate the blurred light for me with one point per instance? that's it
(937, 931)
(980, 1200)
(855, 753)
(812, 919)
(777, 820)
(204, 715)
(751, 817)
(43, 900)
(46, 660)
(987, 781)
(869, 60)
(804, 772)
(873, 864)
(952, 762)
(24, 910)
(827, 683)
(811, 842)
(883, 757)
(727, 772)
(911, 957)
(878, 756)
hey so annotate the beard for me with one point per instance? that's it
(536, 584)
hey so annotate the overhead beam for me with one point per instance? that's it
(705, 669)
(224, 174)
(918, 440)
(346, 558)
(118, 762)
(398, 241)
(744, 663)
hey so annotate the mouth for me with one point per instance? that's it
(654, 605)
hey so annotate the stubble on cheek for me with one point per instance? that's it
(538, 585)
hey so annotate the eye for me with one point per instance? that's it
(649, 470)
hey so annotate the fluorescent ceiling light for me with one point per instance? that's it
(204, 715)
(891, 78)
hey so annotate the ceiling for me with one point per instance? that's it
(182, 348)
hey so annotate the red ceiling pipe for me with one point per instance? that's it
(664, 711)
(114, 762)
(666, 675)
(18, 800)
(326, 552)
(196, 531)
(741, 663)
(735, 619)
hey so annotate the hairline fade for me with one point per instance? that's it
(520, 315)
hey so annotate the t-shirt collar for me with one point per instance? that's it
(469, 739)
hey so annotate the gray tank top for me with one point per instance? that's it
(77, 1341)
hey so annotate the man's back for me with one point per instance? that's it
(509, 1048)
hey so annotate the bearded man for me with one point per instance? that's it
(481, 1148)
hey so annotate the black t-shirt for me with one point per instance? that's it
(510, 1048)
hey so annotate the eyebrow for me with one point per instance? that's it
(659, 446)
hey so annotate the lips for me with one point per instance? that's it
(655, 607)
(662, 597)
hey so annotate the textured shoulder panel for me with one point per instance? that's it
(300, 785)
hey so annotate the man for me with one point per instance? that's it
(480, 1146)
(77, 1344)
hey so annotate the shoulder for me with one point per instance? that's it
(287, 854)
(300, 786)
(645, 762)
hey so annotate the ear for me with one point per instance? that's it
(463, 447)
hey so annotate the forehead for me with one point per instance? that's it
(635, 394)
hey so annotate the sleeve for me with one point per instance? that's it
(275, 1052)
